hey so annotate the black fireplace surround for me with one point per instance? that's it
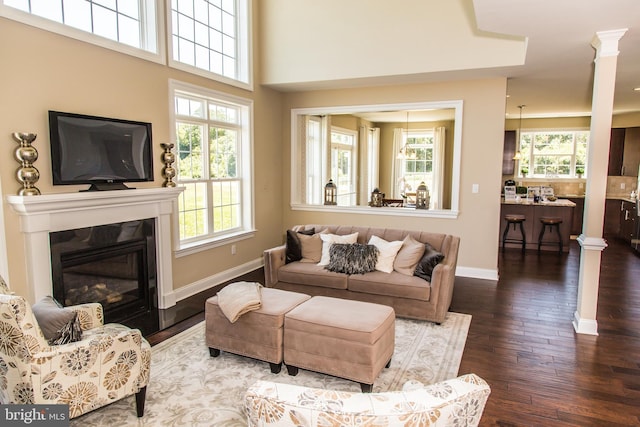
(114, 265)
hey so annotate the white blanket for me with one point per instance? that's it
(239, 298)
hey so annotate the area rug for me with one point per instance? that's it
(190, 388)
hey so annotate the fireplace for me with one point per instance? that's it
(112, 264)
(41, 216)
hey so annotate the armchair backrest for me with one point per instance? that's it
(21, 328)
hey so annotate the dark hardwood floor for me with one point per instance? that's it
(522, 342)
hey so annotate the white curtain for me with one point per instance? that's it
(396, 164)
(438, 167)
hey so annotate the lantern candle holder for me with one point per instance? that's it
(26, 154)
(422, 196)
(168, 172)
(330, 193)
(376, 198)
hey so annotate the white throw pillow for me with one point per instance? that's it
(388, 252)
(330, 239)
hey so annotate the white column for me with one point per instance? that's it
(591, 241)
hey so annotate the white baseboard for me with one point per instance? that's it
(211, 281)
(477, 273)
(584, 326)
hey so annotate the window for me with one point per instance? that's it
(213, 151)
(554, 154)
(211, 37)
(128, 26)
(343, 164)
(417, 161)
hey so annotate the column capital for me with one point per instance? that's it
(606, 42)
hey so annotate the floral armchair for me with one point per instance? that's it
(110, 362)
(456, 402)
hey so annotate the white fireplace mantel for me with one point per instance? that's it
(40, 215)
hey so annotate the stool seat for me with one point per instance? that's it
(552, 223)
(514, 219)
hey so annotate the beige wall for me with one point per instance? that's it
(482, 140)
(43, 71)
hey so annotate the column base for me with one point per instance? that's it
(584, 326)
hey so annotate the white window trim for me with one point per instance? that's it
(74, 33)
(354, 149)
(245, 35)
(572, 178)
(248, 201)
(297, 205)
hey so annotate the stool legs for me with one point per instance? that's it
(551, 227)
(506, 231)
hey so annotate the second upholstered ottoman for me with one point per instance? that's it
(257, 334)
(343, 338)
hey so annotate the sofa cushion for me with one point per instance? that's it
(294, 249)
(311, 247)
(428, 262)
(306, 273)
(408, 257)
(329, 239)
(391, 284)
(352, 258)
(388, 252)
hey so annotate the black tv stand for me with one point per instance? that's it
(107, 186)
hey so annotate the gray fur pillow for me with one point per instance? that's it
(352, 258)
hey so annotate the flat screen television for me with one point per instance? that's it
(103, 152)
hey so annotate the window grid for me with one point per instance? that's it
(558, 153)
(418, 166)
(119, 21)
(343, 172)
(205, 35)
(211, 204)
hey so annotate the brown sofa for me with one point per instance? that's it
(410, 296)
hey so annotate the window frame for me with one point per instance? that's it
(402, 170)
(530, 155)
(353, 162)
(246, 228)
(244, 49)
(154, 16)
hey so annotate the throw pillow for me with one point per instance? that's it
(408, 257)
(388, 252)
(52, 317)
(429, 260)
(311, 247)
(352, 258)
(330, 239)
(71, 332)
(293, 250)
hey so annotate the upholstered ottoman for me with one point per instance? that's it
(257, 334)
(343, 338)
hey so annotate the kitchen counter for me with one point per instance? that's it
(561, 208)
(556, 203)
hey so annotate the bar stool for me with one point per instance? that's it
(551, 223)
(513, 219)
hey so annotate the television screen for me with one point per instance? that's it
(98, 150)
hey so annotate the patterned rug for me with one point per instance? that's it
(189, 388)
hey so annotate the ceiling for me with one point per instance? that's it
(557, 76)
(542, 47)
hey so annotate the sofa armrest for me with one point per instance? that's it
(443, 278)
(274, 258)
(441, 404)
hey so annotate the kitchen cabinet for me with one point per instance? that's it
(627, 220)
(631, 156)
(616, 151)
(508, 151)
(578, 214)
(624, 151)
(611, 228)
